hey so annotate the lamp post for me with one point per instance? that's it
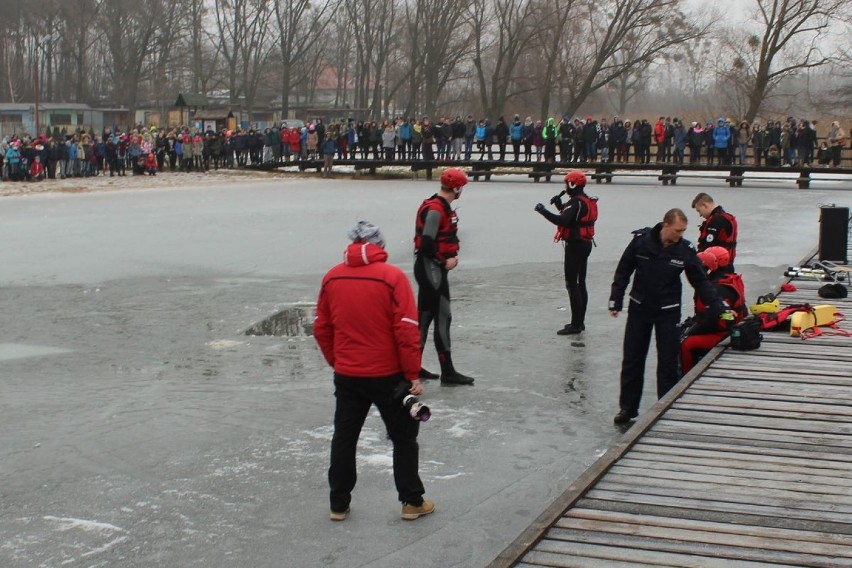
(37, 92)
(40, 43)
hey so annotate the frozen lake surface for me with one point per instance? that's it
(142, 427)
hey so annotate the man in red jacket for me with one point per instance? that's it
(367, 330)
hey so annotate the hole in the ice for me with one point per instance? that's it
(292, 321)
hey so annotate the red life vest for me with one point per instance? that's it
(725, 240)
(446, 241)
(734, 282)
(585, 224)
(781, 319)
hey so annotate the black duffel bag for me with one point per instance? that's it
(746, 335)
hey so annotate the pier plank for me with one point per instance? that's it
(747, 462)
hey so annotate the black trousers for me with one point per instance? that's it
(433, 304)
(565, 149)
(354, 398)
(576, 263)
(637, 340)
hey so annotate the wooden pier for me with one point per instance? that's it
(747, 462)
(601, 172)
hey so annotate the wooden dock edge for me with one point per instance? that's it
(536, 531)
(528, 539)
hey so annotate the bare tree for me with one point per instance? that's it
(195, 12)
(169, 26)
(297, 23)
(437, 41)
(839, 95)
(502, 30)
(626, 86)
(27, 48)
(76, 44)
(343, 53)
(243, 33)
(552, 21)
(428, 56)
(373, 26)
(653, 27)
(786, 43)
(127, 28)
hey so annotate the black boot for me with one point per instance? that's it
(571, 329)
(424, 374)
(624, 416)
(449, 375)
(455, 378)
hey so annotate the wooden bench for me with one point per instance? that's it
(537, 175)
(476, 174)
(608, 175)
(666, 173)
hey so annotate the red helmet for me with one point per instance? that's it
(715, 257)
(453, 178)
(575, 179)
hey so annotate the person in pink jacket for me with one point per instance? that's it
(366, 327)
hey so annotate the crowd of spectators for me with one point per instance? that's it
(149, 151)
(669, 140)
(142, 151)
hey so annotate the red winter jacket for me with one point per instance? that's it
(659, 132)
(366, 322)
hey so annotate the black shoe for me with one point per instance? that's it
(424, 374)
(456, 378)
(624, 416)
(571, 329)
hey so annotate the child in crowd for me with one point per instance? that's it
(37, 169)
(824, 154)
(773, 157)
(151, 164)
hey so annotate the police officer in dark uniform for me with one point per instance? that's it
(576, 230)
(655, 258)
(436, 247)
(719, 228)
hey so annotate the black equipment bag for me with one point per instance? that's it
(832, 291)
(746, 335)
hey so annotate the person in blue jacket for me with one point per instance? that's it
(655, 258)
(516, 135)
(721, 138)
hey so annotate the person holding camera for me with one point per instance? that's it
(436, 252)
(366, 327)
(575, 228)
(655, 259)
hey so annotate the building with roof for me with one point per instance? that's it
(20, 118)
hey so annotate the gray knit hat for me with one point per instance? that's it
(366, 232)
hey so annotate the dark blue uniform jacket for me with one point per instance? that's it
(656, 275)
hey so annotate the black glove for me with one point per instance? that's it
(557, 201)
(540, 208)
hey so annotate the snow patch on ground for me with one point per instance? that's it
(224, 344)
(165, 180)
(68, 523)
